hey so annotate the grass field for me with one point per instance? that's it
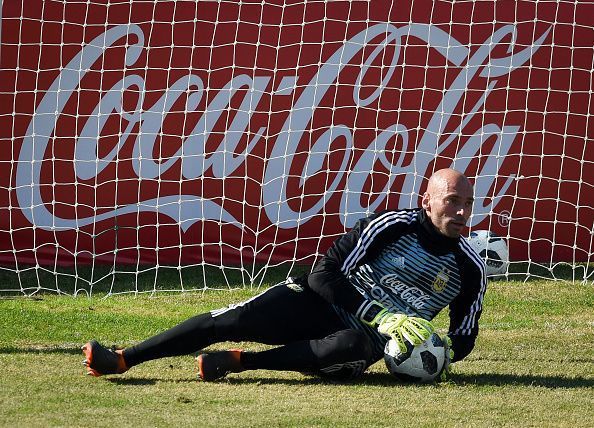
(533, 366)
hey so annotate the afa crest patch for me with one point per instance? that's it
(441, 280)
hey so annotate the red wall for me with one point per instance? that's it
(321, 109)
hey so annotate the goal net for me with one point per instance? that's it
(150, 145)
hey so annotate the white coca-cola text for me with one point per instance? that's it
(186, 209)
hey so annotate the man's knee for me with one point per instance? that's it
(344, 355)
(355, 343)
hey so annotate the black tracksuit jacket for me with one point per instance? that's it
(399, 259)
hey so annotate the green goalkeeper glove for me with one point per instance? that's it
(449, 356)
(402, 328)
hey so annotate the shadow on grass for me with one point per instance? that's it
(378, 379)
(498, 379)
(86, 280)
(136, 381)
(42, 350)
(142, 381)
(110, 278)
(385, 379)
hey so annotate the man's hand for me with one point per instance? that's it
(402, 328)
(449, 356)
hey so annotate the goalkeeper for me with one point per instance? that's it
(386, 278)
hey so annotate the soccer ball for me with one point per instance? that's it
(492, 248)
(421, 363)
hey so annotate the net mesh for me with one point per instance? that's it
(181, 145)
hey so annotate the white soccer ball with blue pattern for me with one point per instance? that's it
(422, 363)
(493, 250)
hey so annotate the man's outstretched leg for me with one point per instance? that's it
(343, 355)
(277, 316)
(185, 338)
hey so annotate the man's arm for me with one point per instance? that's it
(461, 346)
(329, 277)
(466, 308)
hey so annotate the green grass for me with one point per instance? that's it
(533, 366)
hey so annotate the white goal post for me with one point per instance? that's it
(221, 142)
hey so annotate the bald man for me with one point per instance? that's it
(386, 278)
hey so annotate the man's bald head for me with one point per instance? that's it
(447, 178)
(448, 201)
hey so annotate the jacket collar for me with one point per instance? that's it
(433, 240)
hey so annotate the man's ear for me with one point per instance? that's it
(425, 201)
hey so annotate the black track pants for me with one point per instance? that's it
(315, 338)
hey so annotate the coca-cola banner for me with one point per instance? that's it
(182, 131)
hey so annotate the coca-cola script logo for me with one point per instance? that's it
(352, 175)
(179, 132)
(412, 295)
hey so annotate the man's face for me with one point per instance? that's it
(448, 204)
